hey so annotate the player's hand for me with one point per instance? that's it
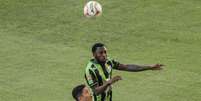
(156, 66)
(114, 79)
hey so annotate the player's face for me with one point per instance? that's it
(101, 54)
(86, 96)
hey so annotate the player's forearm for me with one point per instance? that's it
(134, 68)
(101, 89)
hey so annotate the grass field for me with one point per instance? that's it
(45, 45)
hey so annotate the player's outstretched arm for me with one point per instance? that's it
(137, 68)
(100, 89)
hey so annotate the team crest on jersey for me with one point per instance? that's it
(89, 77)
(109, 68)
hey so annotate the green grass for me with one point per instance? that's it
(45, 45)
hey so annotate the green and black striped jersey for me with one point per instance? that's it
(96, 74)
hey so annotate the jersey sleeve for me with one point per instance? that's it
(115, 64)
(91, 78)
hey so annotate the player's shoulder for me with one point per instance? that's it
(90, 64)
(109, 59)
(113, 62)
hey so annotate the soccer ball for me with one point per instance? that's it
(92, 8)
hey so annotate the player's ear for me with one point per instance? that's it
(80, 98)
(94, 54)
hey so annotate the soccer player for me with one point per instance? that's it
(81, 93)
(98, 72)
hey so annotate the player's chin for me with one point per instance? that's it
(103, 60)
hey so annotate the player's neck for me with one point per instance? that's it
(100, 62)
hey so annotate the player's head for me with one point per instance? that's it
(99, 52)
(81, 93)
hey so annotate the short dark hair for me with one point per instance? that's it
(77, 91)
(95, 46)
